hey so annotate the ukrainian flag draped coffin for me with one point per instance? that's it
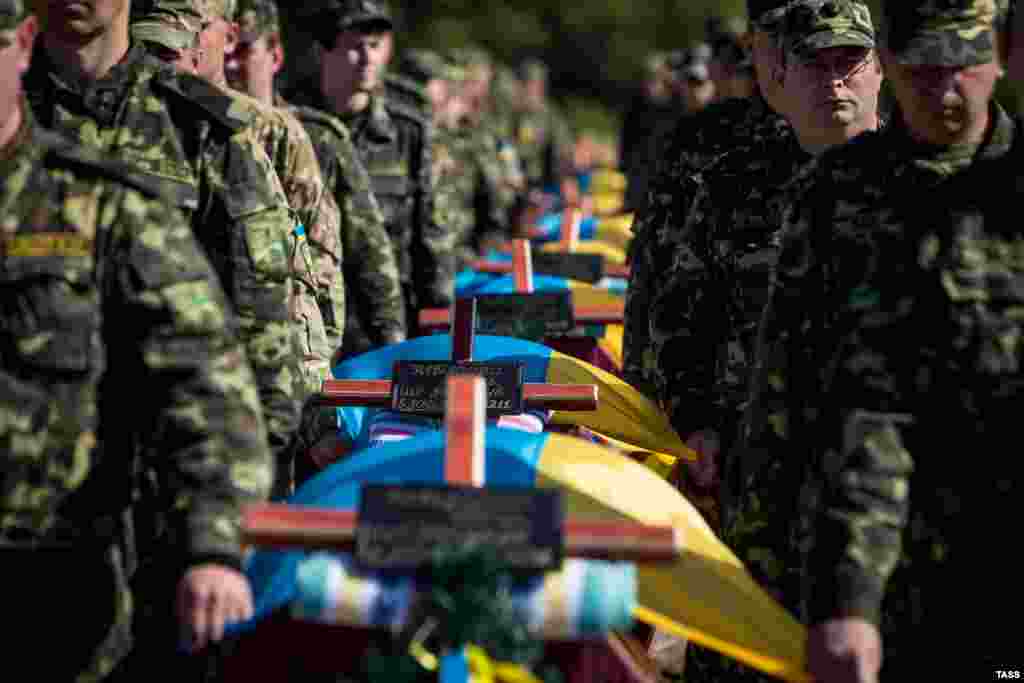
(707, 591)
(623, 413)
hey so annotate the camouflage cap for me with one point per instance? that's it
(176, 24)
(11, 14)
(257, 18)
(940, 32)
(814, 25)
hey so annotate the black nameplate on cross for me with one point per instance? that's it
(418, 387)
(526, 316)
(589, 268)
(400, 527)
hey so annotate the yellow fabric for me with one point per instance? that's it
(608, 203)
(623, 413)
(607, 180)
(707, 592)
(611, 343)
(617, 230)
(612, 253)
(659, 463)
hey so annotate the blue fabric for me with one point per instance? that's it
(550, 226)
(378, 364)
(512, 458)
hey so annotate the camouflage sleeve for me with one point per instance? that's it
(316, 260)
(664, 211)
(208, 440)
(261, 244)
(689, 325)
(372, 281)
(433, 243)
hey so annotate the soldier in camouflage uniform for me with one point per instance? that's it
(724, 126)
(498, 145)
(394, 143)
(111, 316)
(896, 310)
(318, 303)
(542, 135)
(705, 309)
(471, 178)
(191, 139)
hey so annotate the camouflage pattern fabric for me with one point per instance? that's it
(408, 93)
(895, 337)
(544, 141)
(319, 292)
(940, 32)
(111, 316)
(375, 307)
(394, 144)
(471, 180)
(197, 146)
(257, 18)
(728, 126)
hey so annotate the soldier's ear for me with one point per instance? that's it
(25, 39)
(276, 49)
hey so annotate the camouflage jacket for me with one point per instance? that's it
(394, 144)
(705, 307)
(318, 301)
(544, 141)
(728, 126)
(197, 145)
(112, 316)
(375, 308)
(894, 337)
(471, 181)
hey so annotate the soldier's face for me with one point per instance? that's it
(358, 60)
(252, 65)
(215, 40)
(833, 94)
(943, 105)
(82, 19)
(14, 61)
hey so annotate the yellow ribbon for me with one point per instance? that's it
(482, 669)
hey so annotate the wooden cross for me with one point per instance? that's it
(522, 268)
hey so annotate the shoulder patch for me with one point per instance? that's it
(217, 104)
(91, 162)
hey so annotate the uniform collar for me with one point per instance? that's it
(997, 142)
(374, 121)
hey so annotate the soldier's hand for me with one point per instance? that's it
(209, 596)
(846, 650)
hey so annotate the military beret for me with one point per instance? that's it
(940, 32)
(818, 24)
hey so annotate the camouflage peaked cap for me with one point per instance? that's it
(176, 24)
(257, 18)
(818, 24)
(11, 14)
(940, 32)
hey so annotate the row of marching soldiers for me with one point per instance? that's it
(827, 298)
(184, 255)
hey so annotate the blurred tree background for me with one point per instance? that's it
(595, 48)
